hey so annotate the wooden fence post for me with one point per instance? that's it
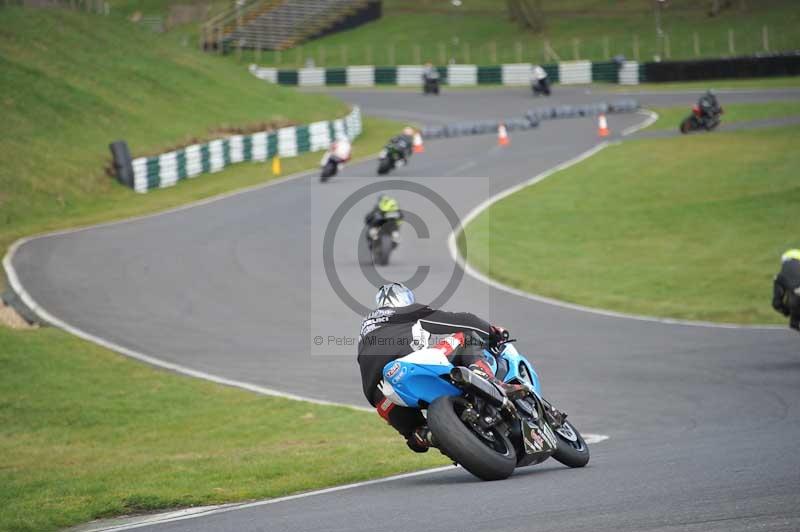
(765, 38)
(576, 48)
(606, 48)
(417, 55)
(390, 54)
(696, 39)
(636, 47)
(731, 44)
(258, 53)
(442, 53)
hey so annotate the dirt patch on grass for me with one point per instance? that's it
(10, 318)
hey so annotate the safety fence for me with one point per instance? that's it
(566, 72)
(167, 169)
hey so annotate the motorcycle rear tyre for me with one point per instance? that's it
(384, 165)
(458, 442)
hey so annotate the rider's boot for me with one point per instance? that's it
(555, 416)
(512, 391)
(420, 440)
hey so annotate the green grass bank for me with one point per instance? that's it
(671, 117)
(72, 82)
(480, 32)
(687, 227)
(86, 434)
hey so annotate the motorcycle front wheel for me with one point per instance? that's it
(572, 450)
(490, 456)
(686, 125)
(328, 171)
(384, 165)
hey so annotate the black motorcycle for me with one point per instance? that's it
(540, 87)
(382, 239)
(431, 86)
(430, 83)
(390, 157)
(330, 165)
(699, 120)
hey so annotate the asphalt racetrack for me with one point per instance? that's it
(703, 422)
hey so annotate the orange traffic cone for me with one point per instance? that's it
(502, 136)
(418, 146)
(602, 126)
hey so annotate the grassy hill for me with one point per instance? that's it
(650, 227)
(71, 82)
(479, 31)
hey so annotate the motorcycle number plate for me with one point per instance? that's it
(536, 439)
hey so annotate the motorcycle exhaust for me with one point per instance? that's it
(464, 377)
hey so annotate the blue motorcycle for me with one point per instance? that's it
(471, 419)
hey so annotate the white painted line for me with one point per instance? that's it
(474, 213)
(594, 438)
(213, 510)
(205, 511)
(652, 117)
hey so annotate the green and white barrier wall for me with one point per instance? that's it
(167, 169)
(567, 72)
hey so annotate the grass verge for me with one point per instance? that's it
(671, 117)
(71, 82)
(686, 227)
(780, 82)
(481, 32)
(85, 434)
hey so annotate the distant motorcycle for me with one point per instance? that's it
(382, 239)
(698, 120)
(430, 82)
(334, 158)
(389, 158)
(541, 87)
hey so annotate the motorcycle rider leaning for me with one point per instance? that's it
(403, 143)
(786, 288)
(709, 106)
(399, 326)
(387, 210)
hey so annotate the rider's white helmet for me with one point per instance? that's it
(394, 295)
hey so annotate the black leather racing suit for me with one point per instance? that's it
(710, 107)
(785, 296)
(386, 334)
(403, 144)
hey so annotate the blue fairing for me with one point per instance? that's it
(420, 384)
(416, 383)
(515, 359)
